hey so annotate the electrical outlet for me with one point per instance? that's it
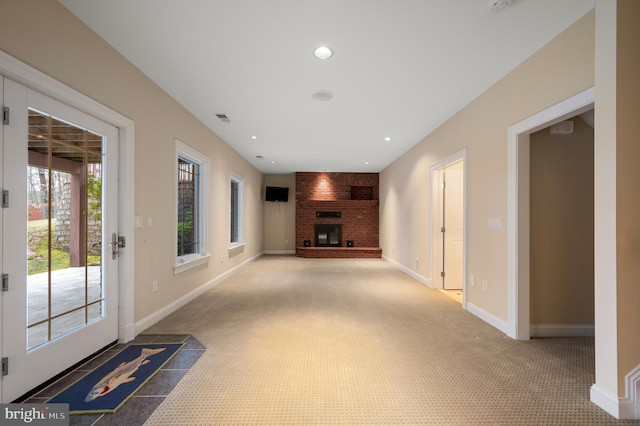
(472, 280)
(417, 263)
(154, 286)
(485, 286)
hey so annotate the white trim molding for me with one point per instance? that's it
(236, 212)
(630, 404)
(422, 279)
(166, 310)
(625, 408)
(435, 235)
(485, 316)
(518, 205)
(605, 400)
(473, 309)
(201, 255)
(280, 252)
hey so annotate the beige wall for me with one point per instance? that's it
(45, 35)
(561, 226)
(280, 218)
(628, 187)
(561, 69)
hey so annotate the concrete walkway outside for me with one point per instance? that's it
(67, 293)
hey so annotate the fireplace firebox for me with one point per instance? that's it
(328, 235)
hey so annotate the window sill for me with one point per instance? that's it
(190, 262)
(234, 246)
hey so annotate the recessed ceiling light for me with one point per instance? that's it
(273, 162)
(366, 163)
(254, 138)
(323, 52)
(387, 139)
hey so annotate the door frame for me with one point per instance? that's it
(30, 77)
(518, 176)
(435, 240)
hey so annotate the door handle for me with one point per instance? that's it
(117, 243)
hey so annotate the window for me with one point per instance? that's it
(191, 208)
(236, 201)
(188, 200)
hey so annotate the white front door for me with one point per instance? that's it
(60, 194)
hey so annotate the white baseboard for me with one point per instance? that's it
(424, 280)
(485, 316)
(480, 313)
(279, 252)
(562, 330)
(626, 408)
(129, 333)
(630, 408)
(620, 408)
(150, 320)
(605, 400)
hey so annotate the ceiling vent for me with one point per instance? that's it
(223, 118)
(562, 128)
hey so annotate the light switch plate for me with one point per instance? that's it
(495, 224)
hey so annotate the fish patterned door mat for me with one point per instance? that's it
(108, 387)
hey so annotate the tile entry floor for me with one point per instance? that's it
(139, 407)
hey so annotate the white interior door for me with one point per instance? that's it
(453, 224)
(60, 168)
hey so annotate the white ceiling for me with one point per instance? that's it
(400, 68)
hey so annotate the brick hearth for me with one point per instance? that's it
(354, 196)
(339, 252)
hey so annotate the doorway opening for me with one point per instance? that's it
(562, 228)
(448, 245)
(518, 207)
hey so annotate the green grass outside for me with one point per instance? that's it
(60, 259)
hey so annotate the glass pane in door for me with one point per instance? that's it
(64, 233)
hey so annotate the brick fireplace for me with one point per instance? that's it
(337, 215)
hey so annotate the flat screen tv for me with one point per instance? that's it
(277, 193)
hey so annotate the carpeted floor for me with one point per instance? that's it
(294, 341)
